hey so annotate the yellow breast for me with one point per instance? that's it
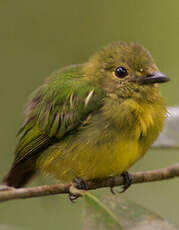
(105, 148)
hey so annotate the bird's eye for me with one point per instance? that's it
(121, 72)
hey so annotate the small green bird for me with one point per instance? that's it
(92, 120)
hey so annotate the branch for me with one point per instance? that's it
(139, 177)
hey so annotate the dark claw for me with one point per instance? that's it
(80, 184)
(72, 198)
(112, 190)
(127, 181)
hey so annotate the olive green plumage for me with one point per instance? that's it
(88, 121)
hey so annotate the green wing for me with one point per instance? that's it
(59, 106)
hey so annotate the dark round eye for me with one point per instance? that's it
(120, 72)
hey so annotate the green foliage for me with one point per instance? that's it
(112, 213)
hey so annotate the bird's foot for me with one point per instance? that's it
(80, 184)
(127, 183)
(112, 190)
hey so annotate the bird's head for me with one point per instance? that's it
(124, 68)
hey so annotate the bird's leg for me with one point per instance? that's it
(80, 184)
(127, 181)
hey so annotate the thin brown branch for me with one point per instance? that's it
(139, 177)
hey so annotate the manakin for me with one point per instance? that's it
(92, 120)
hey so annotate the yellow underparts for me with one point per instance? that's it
(112, 142)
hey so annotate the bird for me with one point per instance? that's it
(92, 120)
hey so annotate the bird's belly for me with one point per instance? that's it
(112, 159)
(89, 161)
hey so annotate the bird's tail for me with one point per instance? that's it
(18, 176)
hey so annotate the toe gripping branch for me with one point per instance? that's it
(127, 182)
(80, 184)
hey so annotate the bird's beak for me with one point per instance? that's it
(156, 77)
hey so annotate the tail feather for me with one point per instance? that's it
(18, 176)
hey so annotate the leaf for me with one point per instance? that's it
(112, 213)
(98, 215)
(170, 135)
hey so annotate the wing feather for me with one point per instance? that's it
(60, 105)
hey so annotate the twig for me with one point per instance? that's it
(139, 177)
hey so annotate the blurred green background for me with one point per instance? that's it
(38, 37)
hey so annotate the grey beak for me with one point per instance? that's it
(156, 77)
